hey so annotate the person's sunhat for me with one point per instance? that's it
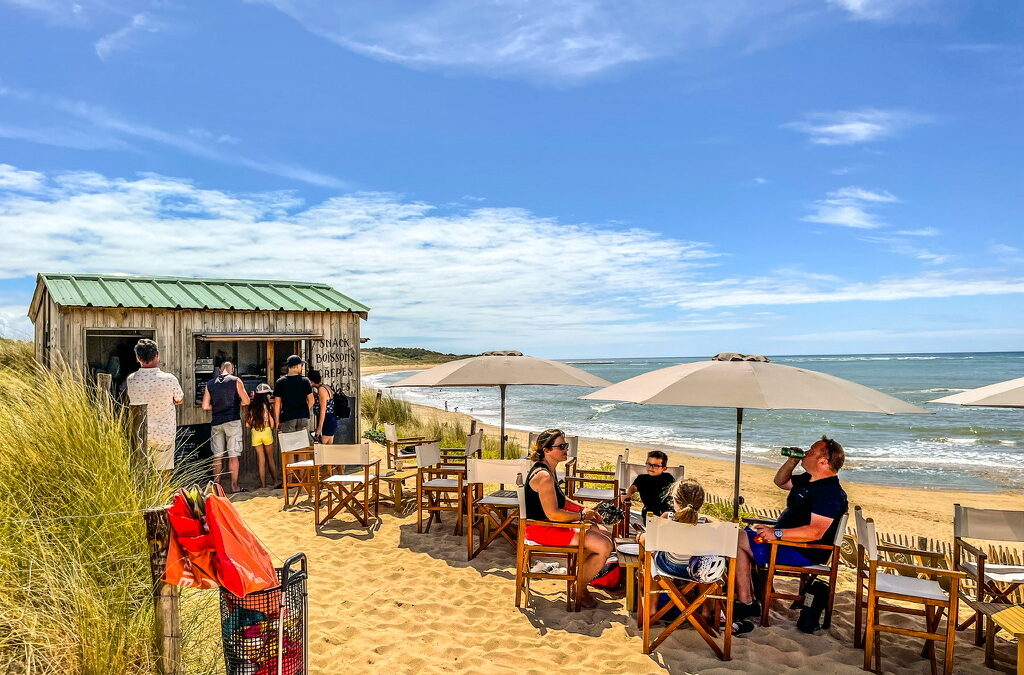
(263, 388)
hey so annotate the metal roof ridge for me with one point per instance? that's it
(140, 277)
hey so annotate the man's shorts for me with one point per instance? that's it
(297, 424)
(163, 455)
(787, 555)
(226, 438)
(263, 436)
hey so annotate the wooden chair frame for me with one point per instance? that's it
(457, 457)
(392, 445)
(869, 568)
(497, 513)
(626, 477)
(677, 590)
(438, 489)
(297, 466)
(358, 493)
(986, 589)
(804, 574)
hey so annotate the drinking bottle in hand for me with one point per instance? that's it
(793, 452)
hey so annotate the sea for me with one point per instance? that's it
(959, 448)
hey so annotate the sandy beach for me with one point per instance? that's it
(389, 600)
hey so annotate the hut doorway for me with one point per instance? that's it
(113, 351)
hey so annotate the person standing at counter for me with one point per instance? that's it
(224, 396)
(324, 413)
(293, 398)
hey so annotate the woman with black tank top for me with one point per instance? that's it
(546, 501)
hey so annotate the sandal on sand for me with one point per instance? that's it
(239, 491)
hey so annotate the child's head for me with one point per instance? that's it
(687, 499)
(657, 461)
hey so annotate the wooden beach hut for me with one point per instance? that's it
(91, 322)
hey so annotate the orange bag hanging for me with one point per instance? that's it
(241, 562)
(189, 563)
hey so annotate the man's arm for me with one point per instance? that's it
(812, 531)
(309, 401)
(242, 394)
(277, 411)
(207, 403)
(179, 395)
(783, 477)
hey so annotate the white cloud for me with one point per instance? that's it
(466, 276)
(847, 127)
(125, 37)
(920, 232)
(760, 180)
(107, 130)
(548, 40)
(876, 10)
(848, 207)
(12, 178)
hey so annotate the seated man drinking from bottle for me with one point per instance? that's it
(815, 504)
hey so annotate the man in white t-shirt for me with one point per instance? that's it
(159, 392)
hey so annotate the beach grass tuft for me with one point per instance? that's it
(75, 585)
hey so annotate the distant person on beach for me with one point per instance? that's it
(259, 417)
(814, 506)
(293, 398)
(546, 501)
(324, 416)
(653, 486)
(159, 392)
(224, 396)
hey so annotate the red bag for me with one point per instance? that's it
(610, 575)
(241, 562)
(189, 556)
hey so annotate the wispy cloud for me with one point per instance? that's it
(848, 207)
(876, 10)
(457, 274)
(94, 127)
(546, 40)
(125, 37)
(848, 127)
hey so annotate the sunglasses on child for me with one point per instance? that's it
(655, 466)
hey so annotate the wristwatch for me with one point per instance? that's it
(778, 534)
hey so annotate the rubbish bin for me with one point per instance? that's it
(265, 633)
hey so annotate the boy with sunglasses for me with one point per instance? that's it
(653, 486)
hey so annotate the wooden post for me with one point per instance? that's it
(104, 383)
(137, 436)
(166, 619)
(472, 427)
(376, 407)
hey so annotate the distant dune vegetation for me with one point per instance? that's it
(396, 356)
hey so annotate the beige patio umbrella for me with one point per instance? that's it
(740, 381)
(501, 369)
(1008, 394)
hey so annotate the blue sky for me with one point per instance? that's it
(573, 178)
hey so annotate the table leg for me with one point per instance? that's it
(398, 497)
(630, 589)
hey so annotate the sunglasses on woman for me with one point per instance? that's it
(559, 446)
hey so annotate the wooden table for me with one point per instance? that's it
(1011, 619)
(630, 565)
(396, 484)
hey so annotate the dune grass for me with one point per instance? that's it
(75, 586)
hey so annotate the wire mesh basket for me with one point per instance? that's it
(265, 633)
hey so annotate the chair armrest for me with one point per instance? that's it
(408, 439)
(802, 544)
(889, 548)
(759, 521)
(594, 472)
(918, 569)
(583, 479)
(972, 549)
(451, 473)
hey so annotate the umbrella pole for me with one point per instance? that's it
(736, 499)
(501, 452)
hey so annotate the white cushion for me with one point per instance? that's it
(452, 467)
(1008, 574)
(594, 493)
(441, 483)
(912, 586)
(499, 500)
(306, 463)
(531, 543)
(824, 569)
(345, 478)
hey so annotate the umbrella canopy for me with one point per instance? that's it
(501, 369)
(1008, 394)
(738, 381)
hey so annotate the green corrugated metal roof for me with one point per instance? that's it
(108, 290)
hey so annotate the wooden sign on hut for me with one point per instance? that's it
(91, 322)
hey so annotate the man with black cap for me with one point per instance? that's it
(293, 398)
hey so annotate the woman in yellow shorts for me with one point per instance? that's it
(260, 418)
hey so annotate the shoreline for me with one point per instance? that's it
(917, 510)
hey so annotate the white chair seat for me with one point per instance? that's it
(499, 500)
(304, 464)
(912, 586)
(452, 467)
(594, 493)
(1007, 574)
(824, 569)
(344, 478)
(441, 483)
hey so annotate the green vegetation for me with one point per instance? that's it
(75, 586)
(394, 356)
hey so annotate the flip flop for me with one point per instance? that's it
(239, 491)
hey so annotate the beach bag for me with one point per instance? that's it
(610, 575)
(815, 601)
(189, 552)
(242, 564)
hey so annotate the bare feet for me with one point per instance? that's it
(587, 601)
